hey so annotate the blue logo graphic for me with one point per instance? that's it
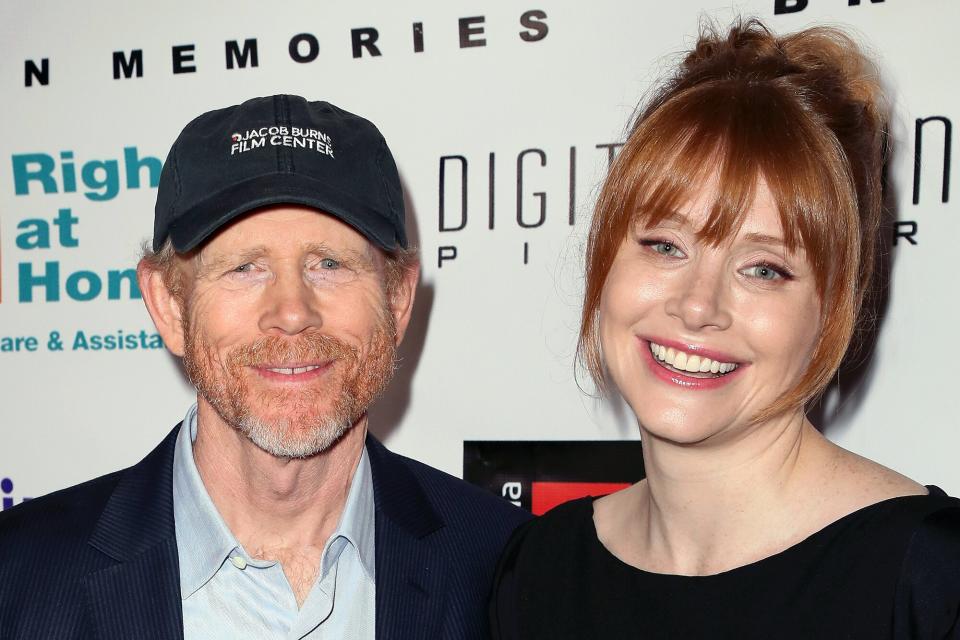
(6, 486)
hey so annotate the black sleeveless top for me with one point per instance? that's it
(889, 570)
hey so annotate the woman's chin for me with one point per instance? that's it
(680, 426)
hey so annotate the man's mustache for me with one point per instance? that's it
(312, 347)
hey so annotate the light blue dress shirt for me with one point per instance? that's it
(228, 594)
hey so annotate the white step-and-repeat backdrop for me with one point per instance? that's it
(503, 117)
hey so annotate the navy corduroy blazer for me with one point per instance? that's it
(99, 560)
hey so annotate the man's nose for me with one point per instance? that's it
(292, 305)
(700, 298)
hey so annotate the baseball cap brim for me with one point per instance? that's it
(194, 226)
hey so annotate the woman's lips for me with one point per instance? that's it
(692, 349)
(717, 374)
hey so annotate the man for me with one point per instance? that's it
(279, 273)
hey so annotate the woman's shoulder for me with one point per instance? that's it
(928, 591)
(937, 524)
(564, 526)
(896, 524)
(532, 551)
(866, 492)
(932, 526)
(528, 575)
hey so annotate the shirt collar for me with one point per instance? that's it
(357, 520)
(204, 541)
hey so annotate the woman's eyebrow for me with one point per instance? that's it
(763, 238)
(670, 217)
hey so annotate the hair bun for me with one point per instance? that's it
(748, 52)
(825, 60)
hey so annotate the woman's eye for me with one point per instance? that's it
(663, 247)
(763, 272)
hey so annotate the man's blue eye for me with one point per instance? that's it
(329, 263)
(244, 268)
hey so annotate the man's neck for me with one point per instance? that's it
(274, 505)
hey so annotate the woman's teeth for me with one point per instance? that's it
(682, 361)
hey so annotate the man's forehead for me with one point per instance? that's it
(279, 250)
(286, 228)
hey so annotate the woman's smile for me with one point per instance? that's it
(687, 369)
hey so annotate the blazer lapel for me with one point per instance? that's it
(139, 596)
(410, 575)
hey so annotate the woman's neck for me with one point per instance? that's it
(709, 507)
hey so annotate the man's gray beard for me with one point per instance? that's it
(276, 440)
(278, 436)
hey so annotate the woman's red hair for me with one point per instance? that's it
(799, 112)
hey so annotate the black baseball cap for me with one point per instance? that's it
(278, 150)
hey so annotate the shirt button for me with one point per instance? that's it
(238, 562)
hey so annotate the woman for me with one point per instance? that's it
(727, 266)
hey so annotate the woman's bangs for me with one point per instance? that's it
(688, 145)
(732, 141)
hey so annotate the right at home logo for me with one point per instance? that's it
(96, 180)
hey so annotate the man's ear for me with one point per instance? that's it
(401, 300)
(165, 309)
